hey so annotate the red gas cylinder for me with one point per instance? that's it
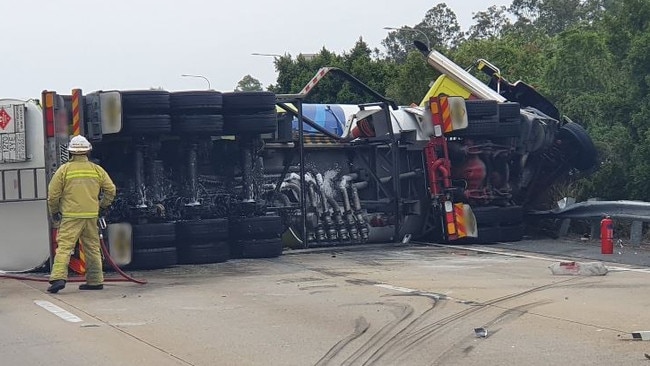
(607, 235)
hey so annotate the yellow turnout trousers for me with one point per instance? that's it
(70, 231)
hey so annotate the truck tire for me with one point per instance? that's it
(248, 102)
(204, 253)
(202, 230)
(210, 124)
(487, 235)
(497, 224)
(259, 227)
(154, 246)
(581, 149)
(509, 112)
(511, 233)
(257, 248)
(148, 124)
(145, 102)
(481, 108)
(479, 127)
(259, 123)
(511, 128)
(495, 215)
(196, 102)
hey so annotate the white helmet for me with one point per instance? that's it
(79, 145)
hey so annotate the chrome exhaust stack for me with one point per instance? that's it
(458, 74)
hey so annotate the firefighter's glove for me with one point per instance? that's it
(56, 220)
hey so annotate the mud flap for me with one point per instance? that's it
(291, 240)
(467, 215)
(120, 242)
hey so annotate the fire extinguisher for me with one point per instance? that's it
(607, 235)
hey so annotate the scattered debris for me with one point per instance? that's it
(578, 268)
(481, 332)
(647, 356)
(406, 239)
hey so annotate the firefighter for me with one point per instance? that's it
(74, 205)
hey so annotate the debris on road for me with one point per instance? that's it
(578, 268)
(481, 332)
(643, 335)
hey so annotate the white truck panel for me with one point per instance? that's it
(25, 239)
(23, 187)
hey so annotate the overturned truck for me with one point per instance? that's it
(205, 176)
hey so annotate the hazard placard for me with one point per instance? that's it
(6, 121)
(12, 134)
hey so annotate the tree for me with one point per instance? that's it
(490, 23)
(411, 81)
(555, 16)
(517, 57)
(441, 25)
(293, 75)
(248, 83)
(439, 28)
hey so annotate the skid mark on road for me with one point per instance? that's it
(401, 313)
(360, 327)
(464, 346)
(397, 340)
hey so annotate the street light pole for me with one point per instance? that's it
(199, 76)
(409, 29)
(266, 54)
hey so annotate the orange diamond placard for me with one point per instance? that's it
(5, 118)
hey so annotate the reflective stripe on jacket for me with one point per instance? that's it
(75, 187)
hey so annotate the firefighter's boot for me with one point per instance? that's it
(56, 286)
(86, 286)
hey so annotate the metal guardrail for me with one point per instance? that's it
(636, 211)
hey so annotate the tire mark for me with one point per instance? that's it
(407, 338)
(506, 316)
(395, 340)
(360, 327)
(405, 342)
(402, 312)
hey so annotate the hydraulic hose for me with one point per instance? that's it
(115, 266)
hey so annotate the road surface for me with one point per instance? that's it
(371, 305)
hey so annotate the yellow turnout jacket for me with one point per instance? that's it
(75, 187)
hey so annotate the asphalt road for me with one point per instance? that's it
(372, 305)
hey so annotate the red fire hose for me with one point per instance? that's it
(125, 277)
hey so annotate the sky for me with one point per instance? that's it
(139, 44)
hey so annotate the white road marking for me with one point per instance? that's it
(128, 324)
(61, 313)
(499, 251)
(407, 290)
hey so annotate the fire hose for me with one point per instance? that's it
(124, 277)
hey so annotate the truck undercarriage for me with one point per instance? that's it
(205, 176)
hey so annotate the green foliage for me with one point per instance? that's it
(517, 58)
(295, 74)
(491, 23)
(411, 81)
(555, 16)
(439, 30)
(248, 83)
